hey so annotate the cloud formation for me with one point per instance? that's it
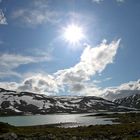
(44, 84)
(126, 89)
(93, 60)
(76, 79)
(120, 1)
(3, 19)
(36, 13)
(9, 62)
(99, 1)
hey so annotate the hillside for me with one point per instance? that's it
(14, 103)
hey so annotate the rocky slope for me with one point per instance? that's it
(132, 101)
(14, 103)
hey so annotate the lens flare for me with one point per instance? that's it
(73, 34)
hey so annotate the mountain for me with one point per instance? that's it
(132, 101)
(122, 91)
(117, 94)
(14, 103)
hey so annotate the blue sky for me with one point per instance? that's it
(33, 49)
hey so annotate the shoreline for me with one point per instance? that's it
(128, 129)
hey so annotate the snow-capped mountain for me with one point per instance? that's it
(14, 103)
(132, 101)
(122, 91)
(117, 94)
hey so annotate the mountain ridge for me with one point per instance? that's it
(22, 103)
(129, 101)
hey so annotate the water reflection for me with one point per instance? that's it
(71, 120)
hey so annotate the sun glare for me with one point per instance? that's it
(73, 34)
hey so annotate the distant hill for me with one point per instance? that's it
(132, 101)
(13, 103)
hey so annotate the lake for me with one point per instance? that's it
(66, 120)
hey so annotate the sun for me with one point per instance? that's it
(73, 34)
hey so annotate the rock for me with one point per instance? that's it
(135, 133)
(9, 136)
(74, 138)
(51, 137)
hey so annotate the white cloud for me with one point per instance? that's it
(40, 84)
(34, 17)
(99, 1)
(132, 85)
(11, 61)
(93, 60)
(120, 1)
(8, 73)
(3, 19)
(91, 90)
(107, 79)
(103, 80)
(123, 90)
(36, 14)
(37, 83)
(76, 79)
(9, 85)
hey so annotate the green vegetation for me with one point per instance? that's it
(125, 117)
(133, 117)
(129, 128)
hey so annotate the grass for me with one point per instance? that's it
(128, 128)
